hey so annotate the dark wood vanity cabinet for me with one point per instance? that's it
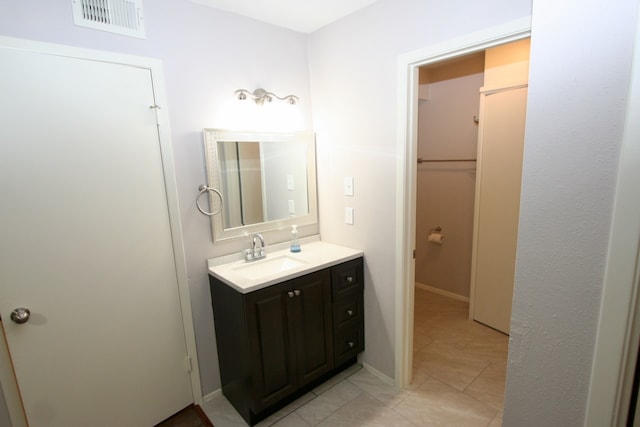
(289, 335)
(277, 342)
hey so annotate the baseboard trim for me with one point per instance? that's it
(209, 397)
(378, 374)
(442, 292)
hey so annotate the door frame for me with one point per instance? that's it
(164, 135)
(406, 175)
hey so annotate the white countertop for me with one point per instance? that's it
(280, 265)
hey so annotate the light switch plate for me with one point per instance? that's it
(290, 182)
(348, 186)
(292, 207)
(348, 215)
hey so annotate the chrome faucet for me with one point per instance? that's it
(255, 252)
(254, 241)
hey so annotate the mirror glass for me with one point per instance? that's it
(267, 181)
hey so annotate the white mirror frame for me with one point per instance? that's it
(211, 138)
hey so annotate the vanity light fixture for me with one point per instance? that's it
(260, 96)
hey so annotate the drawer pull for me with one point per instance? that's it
(296, 292)
(351, 344)
(349, 279)
(349, 312)
(290, 294)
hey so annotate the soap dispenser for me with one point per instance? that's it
(295, 243)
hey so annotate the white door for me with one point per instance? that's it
(86, 245)
(501, 145)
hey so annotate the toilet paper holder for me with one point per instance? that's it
(436, 236)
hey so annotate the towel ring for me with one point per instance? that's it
(203, 189)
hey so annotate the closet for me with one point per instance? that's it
(470, 142)
(448, 103)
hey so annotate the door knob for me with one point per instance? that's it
(20, 315)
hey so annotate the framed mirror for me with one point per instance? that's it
(267, 181)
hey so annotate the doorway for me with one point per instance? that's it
(408, 87)
(471, 110)
(448, 107)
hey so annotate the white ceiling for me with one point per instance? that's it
(304, 16)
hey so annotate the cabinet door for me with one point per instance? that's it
(313, 325)
(271, 336)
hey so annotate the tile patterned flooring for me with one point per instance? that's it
(458, 380)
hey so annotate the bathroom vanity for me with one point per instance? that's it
(286, 323)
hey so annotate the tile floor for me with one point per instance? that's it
(458, 380)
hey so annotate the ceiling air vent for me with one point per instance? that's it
(115, 16)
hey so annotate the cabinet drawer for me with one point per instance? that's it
(348, 343)
(347, 278)
(347, 311)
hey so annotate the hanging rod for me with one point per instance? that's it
(421, 160)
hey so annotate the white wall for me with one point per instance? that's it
(353, 67)
(578, 83)
(207, 55)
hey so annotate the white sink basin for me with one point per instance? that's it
(268, 267)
